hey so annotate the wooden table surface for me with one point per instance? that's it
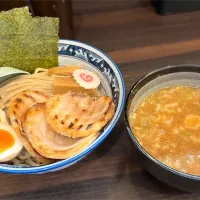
(139, 41)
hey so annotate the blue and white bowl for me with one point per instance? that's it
(112, 84)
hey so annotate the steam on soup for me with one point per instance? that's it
(167, 125)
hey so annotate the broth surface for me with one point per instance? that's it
(167, 125)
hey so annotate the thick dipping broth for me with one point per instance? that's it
(167, 125)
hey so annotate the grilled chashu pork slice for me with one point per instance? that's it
(17, 111)
(78, 115)
(48, 142)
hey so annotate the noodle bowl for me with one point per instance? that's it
(111, 85)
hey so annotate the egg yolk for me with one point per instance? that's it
(6, 140)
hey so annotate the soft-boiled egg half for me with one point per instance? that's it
(3, 118)
(10, 145)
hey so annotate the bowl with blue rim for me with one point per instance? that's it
(112, 84)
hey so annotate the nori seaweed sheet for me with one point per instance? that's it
(28, 43)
